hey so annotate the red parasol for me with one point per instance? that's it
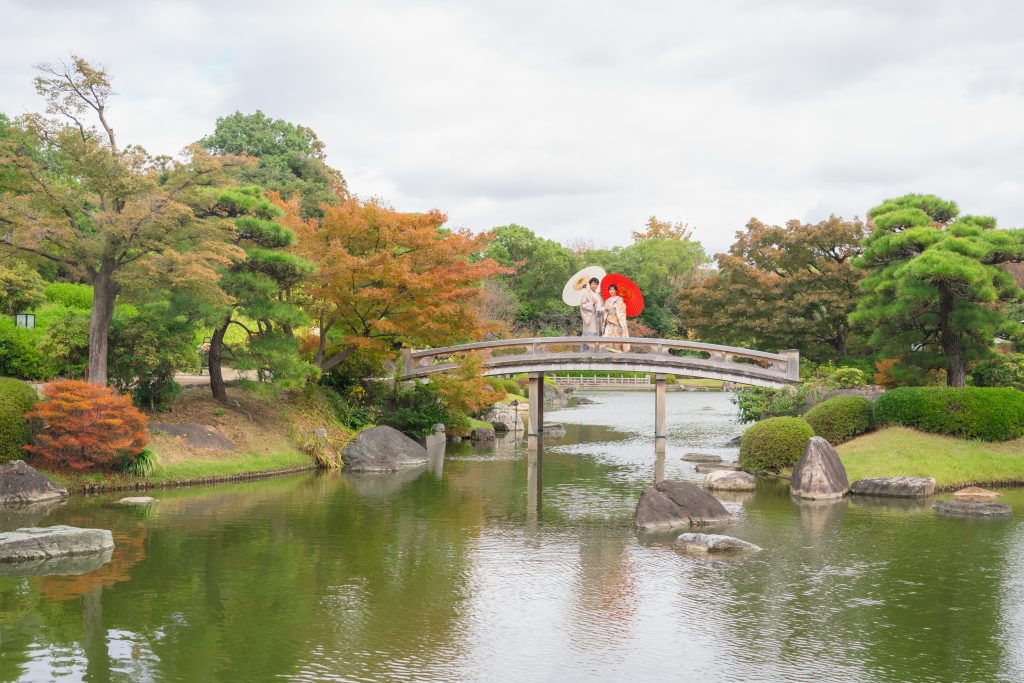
(628, 290)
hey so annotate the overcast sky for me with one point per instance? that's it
(579, 119)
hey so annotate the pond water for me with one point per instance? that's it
(475, 570)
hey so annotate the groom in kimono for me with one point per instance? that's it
(592, 309)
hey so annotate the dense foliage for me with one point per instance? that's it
(1005, 370)
(760, 403)
(841, 418)
(989, 414)
(83, 426)
(16, 399)
(773, 444)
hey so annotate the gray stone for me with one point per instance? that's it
(819, 473)
(554, 430)
(382, 449)
(976, 493)
(894, 487)
(701, 457)
(482, 434)
(320, 432)
(135, 500)
(713, 543)
(734, 442)
(705, 467)
(21, 484)
(972, 508)
(200, 437)
(68, 565)
(506, 418)
(43, 543)
(671, 504)
(724, 480)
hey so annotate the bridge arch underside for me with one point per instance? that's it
(679, 370)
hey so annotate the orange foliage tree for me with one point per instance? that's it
(465, 389)
(388, 278)
(80, 425)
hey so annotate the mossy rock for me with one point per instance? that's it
(841, 418)
(773, 444)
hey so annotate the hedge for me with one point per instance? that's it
(841, 418)
(772, 444)
(989, 414)
(16, 399)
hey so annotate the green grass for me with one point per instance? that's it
(479, 424)
(952, 462)
(514, 397)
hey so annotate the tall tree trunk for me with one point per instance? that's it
(216, 349)
(104, 296)
(952, 346)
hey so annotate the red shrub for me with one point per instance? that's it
(80, 425)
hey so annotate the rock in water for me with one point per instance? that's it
(43, 543)
(976, 493)
(819, 473)
(21, 484)
(672, 504)
(895, 487)
(724, 480)
(382, 449)
(972, 508)
(713, 543)
(705, 467)
(135, 500)
(481, 434)
(701, 457)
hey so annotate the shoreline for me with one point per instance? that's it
(90, 488)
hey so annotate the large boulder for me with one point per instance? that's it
(507, 418)
(382, 449)
(713, 543)
(724, 480)
(481, 434)
(671, 504)
(972, 508)
(44, 543)
(894, 487)
(20, 484)
(819, 473)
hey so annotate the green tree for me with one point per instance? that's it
(259, 288)
(290, 158)
(70, 195)
(789, 286)
(935, 294)
(21, 288)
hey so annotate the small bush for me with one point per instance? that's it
(20, 355)
(1001, 371)
(772, 444)
(761, 403)
(989, 414)
(16, 399)
(847, 378)
(142, 465)
(81, 426)
(841, 418)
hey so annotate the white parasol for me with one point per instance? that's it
(572, 293)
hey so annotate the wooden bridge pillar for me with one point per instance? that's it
(659, 414)
(535, 422)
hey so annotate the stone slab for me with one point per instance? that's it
(200, 437)
(44, 543)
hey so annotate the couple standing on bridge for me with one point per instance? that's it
(604, 317)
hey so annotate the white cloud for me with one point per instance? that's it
(580, 119)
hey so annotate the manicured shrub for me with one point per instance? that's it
(81, 426)
(16, 399)
(847, 378)
(841, 418)
(989, 414)
(1002, 371)
(20, 355)
(774, 443)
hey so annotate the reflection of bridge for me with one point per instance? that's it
(660, 357)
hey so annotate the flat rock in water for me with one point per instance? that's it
(671, 504)
(701, 457)
(972, 508)
(135, 500)
(382, 449)
(44, 543)
(819, 473)
(481, 434)
(705, 467)
(200, 437)
(724, 480)
(976, 493)
(21, 484)
(713, 543)
(894, 487)
(68, 565)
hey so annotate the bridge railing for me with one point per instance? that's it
(564, 353)
(572, 380)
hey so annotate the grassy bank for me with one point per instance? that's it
(953, 463)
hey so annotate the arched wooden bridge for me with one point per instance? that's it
(538, 355)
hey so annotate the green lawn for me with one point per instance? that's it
(896, 451)
(514, 397)
(244, 463)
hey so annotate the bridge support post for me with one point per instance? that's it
(535, 423)
(659, 413)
